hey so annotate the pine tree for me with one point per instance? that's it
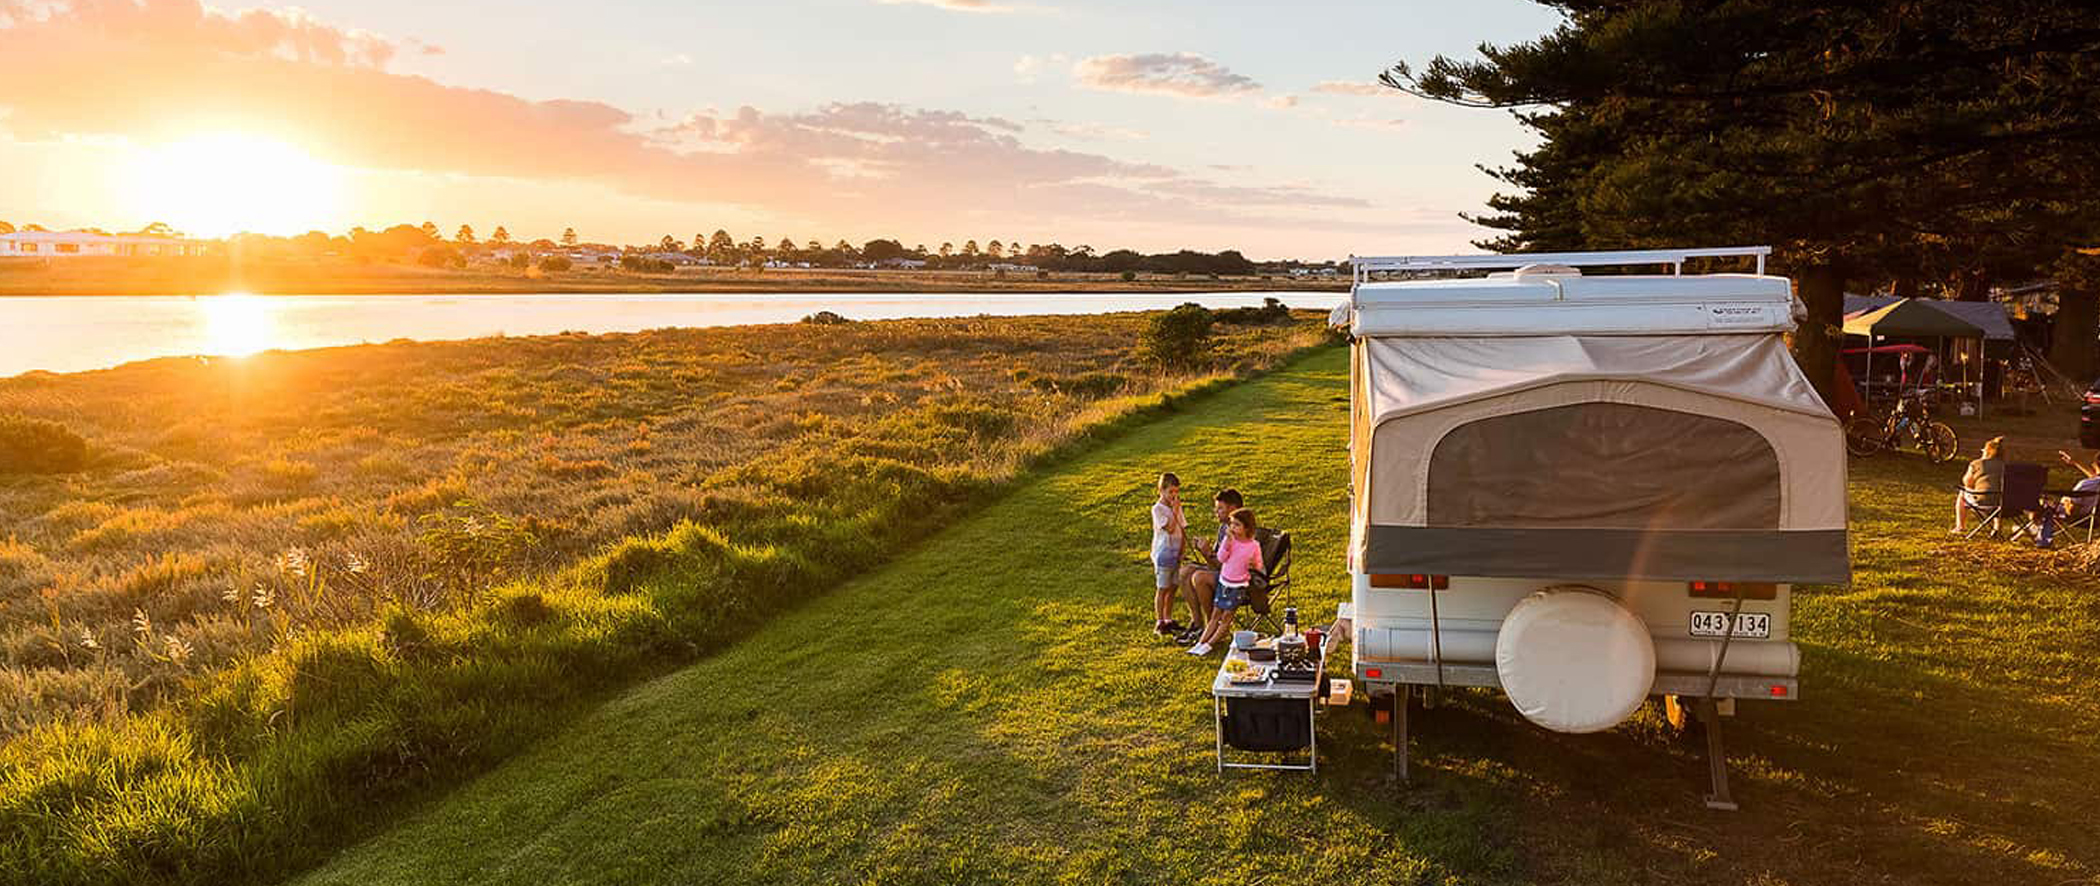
(1862, 144)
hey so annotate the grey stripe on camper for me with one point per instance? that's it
(1815, 556)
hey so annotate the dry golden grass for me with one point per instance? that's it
(230, 504)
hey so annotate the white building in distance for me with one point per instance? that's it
(74, 244)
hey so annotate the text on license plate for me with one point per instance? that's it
(1750, 625)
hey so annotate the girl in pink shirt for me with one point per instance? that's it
(1239, 555)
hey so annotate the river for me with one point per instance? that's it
(73, 333)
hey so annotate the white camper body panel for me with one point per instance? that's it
(1433, 355)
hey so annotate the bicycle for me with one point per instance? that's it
(1910, 426)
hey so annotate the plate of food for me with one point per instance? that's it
(1239, 671)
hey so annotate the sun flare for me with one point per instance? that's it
(237, 324)
(225, 183)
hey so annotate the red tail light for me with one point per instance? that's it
(1779, 692)
(2092, 398)
(1413, 582)
(1726, 590)
(1374, 673)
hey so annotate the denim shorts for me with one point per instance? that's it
(1228, 596)
(1166, 567)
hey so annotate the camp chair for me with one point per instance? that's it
(2088, 501)
(2019, 496)
(1258, 613)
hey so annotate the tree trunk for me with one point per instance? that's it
(2076, 335)
(1822, 291)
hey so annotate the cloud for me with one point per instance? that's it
(1282, 102)
(676, 60)
(1352, 87)
(1183, 74)
(154, 70)
(1091, 131)
(283, 33)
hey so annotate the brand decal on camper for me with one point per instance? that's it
(1735, 315)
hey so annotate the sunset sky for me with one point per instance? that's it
(1156, 125)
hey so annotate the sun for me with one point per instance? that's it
(237, 324)
(225, 183)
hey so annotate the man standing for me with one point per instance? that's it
(1200, 580)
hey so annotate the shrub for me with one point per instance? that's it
(520, 260)
(1129, 276)
(35, 446)
(555, 264)
(825, 318)
(1180, 337)
(1271, 311)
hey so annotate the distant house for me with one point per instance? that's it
(73, 244)
(904, 263)
(676, 258)
(1009, 267)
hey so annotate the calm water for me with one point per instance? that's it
(68, 333)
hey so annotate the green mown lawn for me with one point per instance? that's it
(990, 708)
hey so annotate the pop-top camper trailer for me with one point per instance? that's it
(1584, 489)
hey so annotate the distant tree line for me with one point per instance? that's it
(425, 244)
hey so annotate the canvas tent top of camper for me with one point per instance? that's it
(1547, 424)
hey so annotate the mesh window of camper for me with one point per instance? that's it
(1604, 465)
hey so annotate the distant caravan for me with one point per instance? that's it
(1584, 490)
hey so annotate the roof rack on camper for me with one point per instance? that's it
(1546, 293)
(1365, 265)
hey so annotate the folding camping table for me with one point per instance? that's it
(1308, 691)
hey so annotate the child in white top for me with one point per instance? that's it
(1169, 532)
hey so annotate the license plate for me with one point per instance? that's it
(1749, 625)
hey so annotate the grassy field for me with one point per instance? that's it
(114, 276)
(989, 708)
(289, 589)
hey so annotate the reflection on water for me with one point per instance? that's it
(237, 324)
(71, 333)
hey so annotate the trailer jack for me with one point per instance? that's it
(1716, 761)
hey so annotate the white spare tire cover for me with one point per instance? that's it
(1573, 660)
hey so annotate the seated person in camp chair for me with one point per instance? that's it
(1239, 557)
(2074, 507)
(1199, 578)
(1979, 485)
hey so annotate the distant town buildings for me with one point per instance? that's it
(73, 244)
